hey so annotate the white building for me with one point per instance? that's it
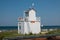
(30, 23)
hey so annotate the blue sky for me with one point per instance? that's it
(48, 10)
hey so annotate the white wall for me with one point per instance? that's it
(32, 15)
(35, 27)
(26, 28)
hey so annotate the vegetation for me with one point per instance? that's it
(54, 32)
(14, 33)
(9, 33)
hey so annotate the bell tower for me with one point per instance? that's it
(32, 15)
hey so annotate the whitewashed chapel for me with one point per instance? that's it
(30, 22)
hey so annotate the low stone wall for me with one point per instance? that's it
(36, 38)
(49, 38)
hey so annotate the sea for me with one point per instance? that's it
(16, 27)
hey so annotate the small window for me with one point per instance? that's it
(26, 14)
(19, 27)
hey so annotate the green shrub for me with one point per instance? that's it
(30, 33)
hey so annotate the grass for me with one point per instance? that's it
(10, 33)
(14, 33)
(54, 32)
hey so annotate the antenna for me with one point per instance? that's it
(32, 6)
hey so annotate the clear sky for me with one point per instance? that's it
(48, 10)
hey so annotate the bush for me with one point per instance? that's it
(30, 33)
